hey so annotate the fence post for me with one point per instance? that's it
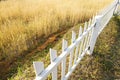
(95, 33)
(116, 7)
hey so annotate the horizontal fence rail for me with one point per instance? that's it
(80, 45)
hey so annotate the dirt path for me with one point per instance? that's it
(6, 67)
(104, 64)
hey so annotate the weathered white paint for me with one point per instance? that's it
(53, 56)
(80, 45)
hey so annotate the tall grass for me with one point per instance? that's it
(24, 22)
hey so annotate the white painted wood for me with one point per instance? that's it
(92, 33)
(81, 43)
(95, 33)
(81, 47)
(116, 8)
(39, 67)
(71, 53)
(88, 36)
(64, 47)
(53, 56)
(80, 31)
(90, 40)
(85, 38)
(70, 60)
(76, 54)
(73, 40)
(93, 20)
(73, 37)
(74, 66)
(85, 26)
(60, 58)
(89, 22)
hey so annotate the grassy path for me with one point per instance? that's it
(104, 64)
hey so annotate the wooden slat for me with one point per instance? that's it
(95, 33)
(71, 53)
(88, 36)
(39, 67)
(80, 31)
(84, 43)
(64, 47)
(73, 40)
(71, 59)
(85, 26)
(73, 36)
(93, 19)
(53, 56)
(76, 54)
(91, 31)
(81, 42)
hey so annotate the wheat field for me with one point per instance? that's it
(25, 22)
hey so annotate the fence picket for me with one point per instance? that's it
(80, 31)
(76, 54)
(85, 28)
(95, 33)
(73, 37)
(64, 47)
(70, 60)
(93, 20)
(39, 67)
(53, 56)
(81, 43)
(88, 36)
(73, 40)
(71, 53)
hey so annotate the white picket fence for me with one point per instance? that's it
(81, 45)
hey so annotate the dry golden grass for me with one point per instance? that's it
(22, 22)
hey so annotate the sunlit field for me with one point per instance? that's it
(23, 23)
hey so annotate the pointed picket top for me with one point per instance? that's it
(85, 26)
(96, 14)
(73, 36)
(64, 45)
(93, 19)
(89, 23)
(80, 31)
(39, 67)
(53, 55)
